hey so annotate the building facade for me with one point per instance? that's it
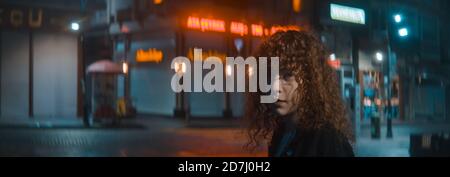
(415, 63)
(173, 28)
(39, 59)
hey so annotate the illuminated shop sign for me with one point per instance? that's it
(19, 17)
(257, 30)
(206, 24)
(347, 14)
(238, 28)
(16, 17)
(150, 55)
(336, 64)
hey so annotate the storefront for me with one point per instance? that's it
(374, 87)
(39, 62)
(163, 40)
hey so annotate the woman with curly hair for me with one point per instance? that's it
(309, 117)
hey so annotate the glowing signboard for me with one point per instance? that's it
(206, 24)
(257, 30)
(336, 64)
(238, 28)
(21, 17)
(151, 55)
(157, 2)
(347, 14)
(297, 5)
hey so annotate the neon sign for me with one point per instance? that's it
(257, 30)
(206, 24)
(297, 5)
(336, 64)
(238, 28)
(151, 55)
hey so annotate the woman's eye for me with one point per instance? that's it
(288, 76)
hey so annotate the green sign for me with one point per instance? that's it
(347, 14)
(16, 17)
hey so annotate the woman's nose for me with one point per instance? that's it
(282, 87)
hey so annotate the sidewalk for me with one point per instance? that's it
(399, 145)
(25, 122)
(159, 137)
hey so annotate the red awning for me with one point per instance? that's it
(105, 66)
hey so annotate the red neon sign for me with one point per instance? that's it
(257, 30)
(336, 64)
(238, 28)
(206, 24)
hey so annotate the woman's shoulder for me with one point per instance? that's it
(327, 141)
(322, 131)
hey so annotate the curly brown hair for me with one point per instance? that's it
(319, 103)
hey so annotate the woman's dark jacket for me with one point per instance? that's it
(290, 141)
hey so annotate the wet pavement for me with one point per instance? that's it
(145, 137)
(399, 144)
(168, 137)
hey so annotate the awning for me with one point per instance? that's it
(105, 66)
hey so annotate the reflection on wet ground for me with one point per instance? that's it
(170, 137)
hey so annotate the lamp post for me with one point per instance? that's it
(389, 118)
(180, 108)
(227, 113)
(403, 32)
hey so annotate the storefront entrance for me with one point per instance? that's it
(38, 75)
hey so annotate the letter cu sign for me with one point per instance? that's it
(16, 17)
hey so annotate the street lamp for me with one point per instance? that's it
(379, 56)
(398, 18)
(250, 71)
(227, 113)
(125, 67)
(403, 32)
(229, 70)
(333, 57)
(180, 68)
(75, 26)
(180, 109)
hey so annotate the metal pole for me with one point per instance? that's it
(1, 60)
(180, 110)
(389, 116)
(389, 119)
(31, 76)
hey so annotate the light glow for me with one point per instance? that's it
(206, 24)
(257, 30)
(238, 28)
(75, 26)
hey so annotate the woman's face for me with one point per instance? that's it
(286, 103)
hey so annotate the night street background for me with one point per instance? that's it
(66, 65)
